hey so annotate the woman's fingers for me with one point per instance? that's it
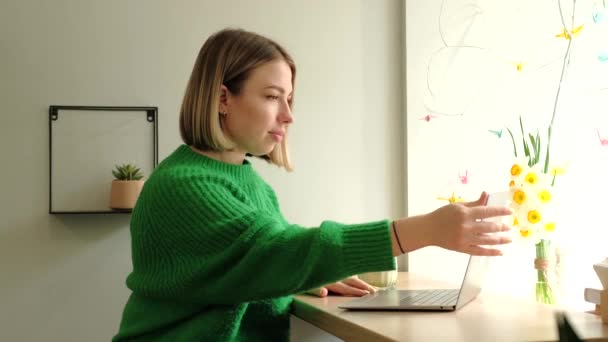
(477, 250)
(346, 290)
(484, 239)
(483, 212)
(352, 286)
(319, 292)
(489, 227)
(482, 200)
(360, 284)
(479, 209)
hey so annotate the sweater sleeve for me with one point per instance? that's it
(218, 249)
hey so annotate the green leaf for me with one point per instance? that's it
(513, 140)
(539, 147)
(534, 149)
(523, 138)
(127, 172)
(546, 168)
(535, 141)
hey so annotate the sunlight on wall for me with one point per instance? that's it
(473, 69)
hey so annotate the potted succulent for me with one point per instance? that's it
(126, 186)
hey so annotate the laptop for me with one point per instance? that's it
(432, 299)
(427, 299)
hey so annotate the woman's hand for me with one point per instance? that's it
(459, 227)
(352, 286)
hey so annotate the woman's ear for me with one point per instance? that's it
(223, 99)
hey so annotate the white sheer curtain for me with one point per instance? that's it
(472, 69)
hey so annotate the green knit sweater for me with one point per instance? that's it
(214, 259)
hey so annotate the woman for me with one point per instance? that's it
(213, 258)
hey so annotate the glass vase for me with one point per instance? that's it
(544, 273)
(384, 279)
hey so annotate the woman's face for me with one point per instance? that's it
(257, 118)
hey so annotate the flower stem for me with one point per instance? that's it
(544, 292)
(565, 64)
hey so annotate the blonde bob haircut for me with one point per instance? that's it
(227, 58)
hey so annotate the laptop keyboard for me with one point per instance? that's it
(429, 297)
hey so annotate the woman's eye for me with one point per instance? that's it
(272, 97)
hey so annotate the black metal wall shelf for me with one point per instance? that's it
(114, 211)
(86, 142)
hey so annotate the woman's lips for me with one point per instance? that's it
(277, 136)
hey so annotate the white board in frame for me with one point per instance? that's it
(85, 144)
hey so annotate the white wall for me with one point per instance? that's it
(62, 277)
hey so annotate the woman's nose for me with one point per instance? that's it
(285, 115)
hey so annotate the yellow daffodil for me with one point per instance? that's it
(534, 216)
(531, 194)
(544, 196)
(516, 170)
(531, 178)
(558, 170)
(525, 233)
(519, 197)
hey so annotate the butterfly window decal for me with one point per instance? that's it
(497, 133)
(452, 198)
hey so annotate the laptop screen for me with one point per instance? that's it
(478, 265)
(473, 279)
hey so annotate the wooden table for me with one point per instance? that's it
(489, 317)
